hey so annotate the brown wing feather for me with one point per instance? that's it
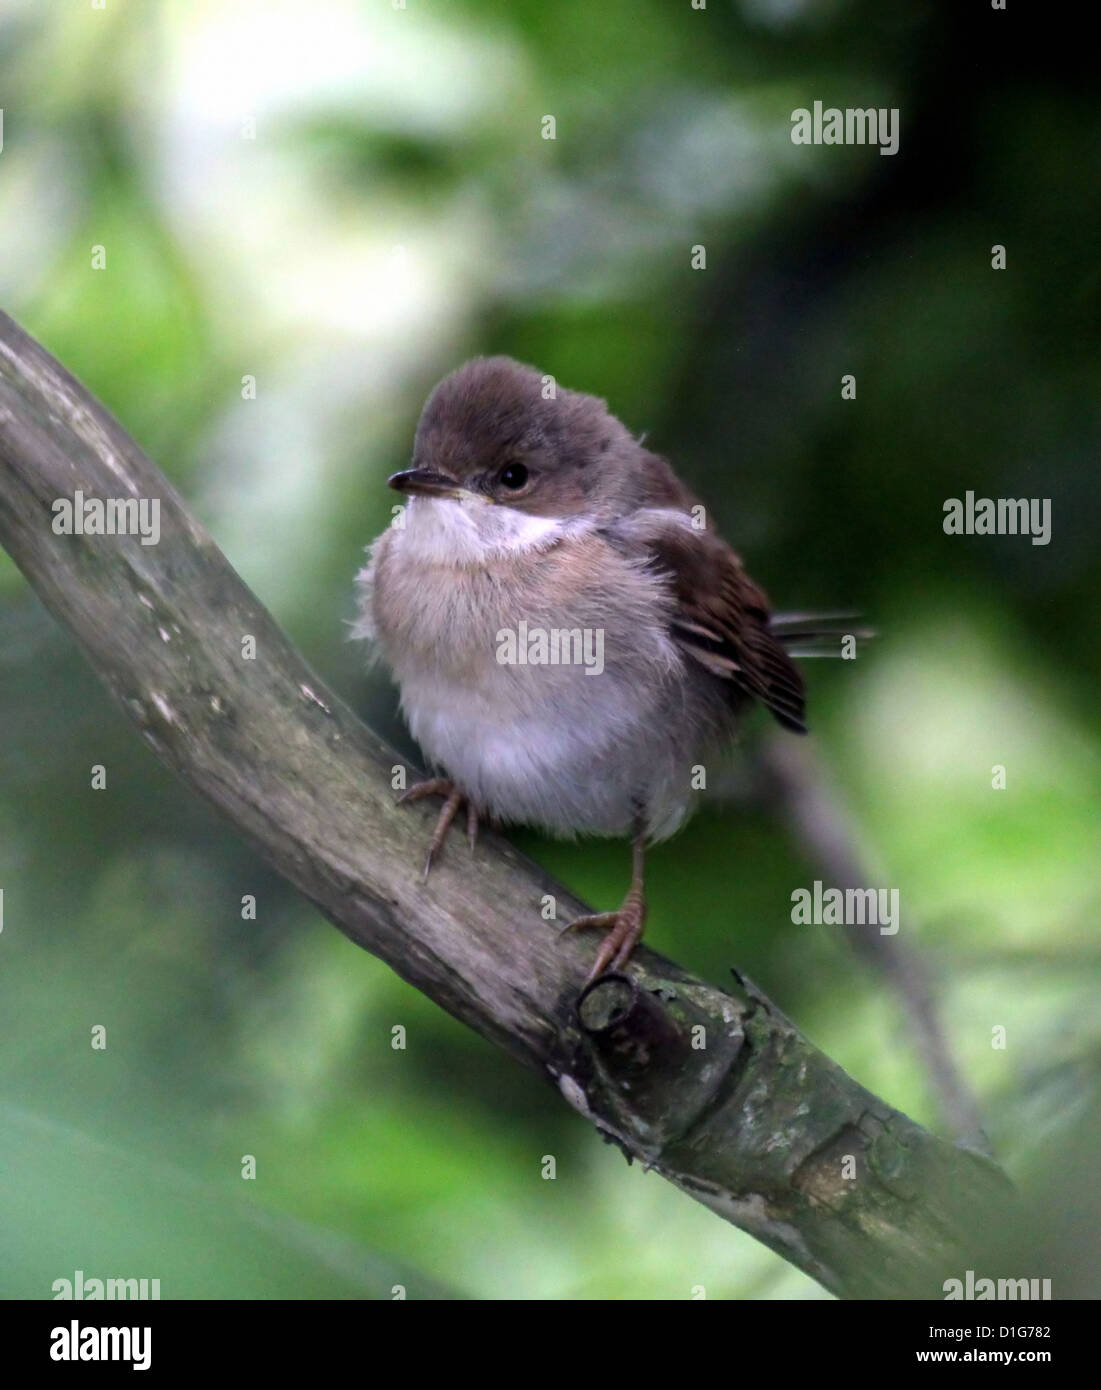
(722, 617)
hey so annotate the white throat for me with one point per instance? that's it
(446, 530)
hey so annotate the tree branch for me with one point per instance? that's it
(716, 1091)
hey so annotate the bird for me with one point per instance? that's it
(571, 637)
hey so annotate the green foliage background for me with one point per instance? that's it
(396, 213)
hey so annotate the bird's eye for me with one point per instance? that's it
(513, 476)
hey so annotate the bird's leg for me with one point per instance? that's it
(625, 926)
(454, 796)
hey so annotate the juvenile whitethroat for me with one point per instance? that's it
(571, 637)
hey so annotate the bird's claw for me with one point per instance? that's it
(454, 797)
(623, 930)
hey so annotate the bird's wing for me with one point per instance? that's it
(721, 618)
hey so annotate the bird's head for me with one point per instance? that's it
(499, 433)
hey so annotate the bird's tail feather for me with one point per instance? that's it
(809, 635)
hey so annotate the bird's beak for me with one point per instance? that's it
(425, 482)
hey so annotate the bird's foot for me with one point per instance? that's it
(454, 796)
(623, 931)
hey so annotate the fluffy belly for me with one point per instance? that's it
(573, 740)
(585, 766)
